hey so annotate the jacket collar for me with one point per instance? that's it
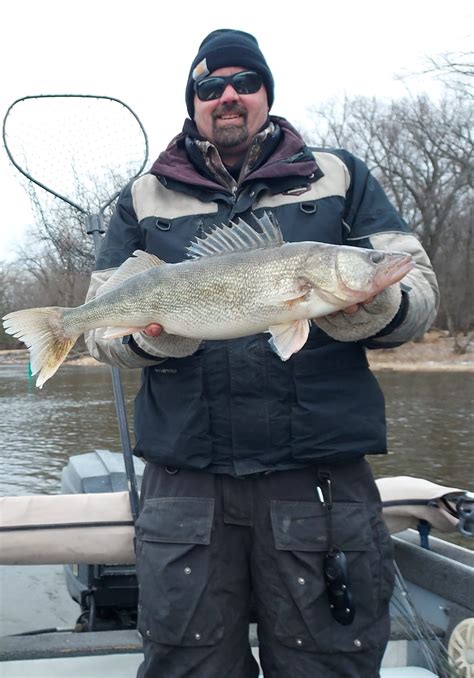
(277, 151)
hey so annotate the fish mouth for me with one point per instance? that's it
(393, 272)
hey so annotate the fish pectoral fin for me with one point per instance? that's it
(299, 292)
(115, 332)
(138, 263)
(288, 339)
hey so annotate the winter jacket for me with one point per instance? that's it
(233, 406)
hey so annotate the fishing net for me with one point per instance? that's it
(416, 629)
(80, 148)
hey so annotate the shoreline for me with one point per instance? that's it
(434, 353)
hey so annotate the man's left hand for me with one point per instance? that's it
(351, 310)
(360, 321)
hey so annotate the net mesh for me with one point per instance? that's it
(83, 148)
(415, 628)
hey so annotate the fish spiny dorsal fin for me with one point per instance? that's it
(138, 263)
(237, 236)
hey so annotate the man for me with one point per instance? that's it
(256, 489)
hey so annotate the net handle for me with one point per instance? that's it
(95, 227)
(77, 96)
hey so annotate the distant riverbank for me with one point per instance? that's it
(434, 353)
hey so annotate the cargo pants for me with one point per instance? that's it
(212, 547)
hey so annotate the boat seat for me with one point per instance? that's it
(403, 672)
(407, 672)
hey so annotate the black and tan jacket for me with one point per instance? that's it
(233, 406)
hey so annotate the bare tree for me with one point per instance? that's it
(422, 153)
(7, 285)
(454, 265)
(455, 69)
(53, 267)
(59, 252)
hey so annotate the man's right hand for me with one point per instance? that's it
(153, 330)
(153, 339)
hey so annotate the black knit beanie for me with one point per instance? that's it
(226, 47)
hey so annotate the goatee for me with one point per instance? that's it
(228, 136)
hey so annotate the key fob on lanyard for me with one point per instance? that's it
(337, 586)
(336, 573)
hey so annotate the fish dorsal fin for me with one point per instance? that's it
(237, 237)
(139, 262)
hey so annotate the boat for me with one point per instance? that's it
(89, 526)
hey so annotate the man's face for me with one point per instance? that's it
(231, 121)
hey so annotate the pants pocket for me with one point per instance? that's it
(303, 616)
(175, 572)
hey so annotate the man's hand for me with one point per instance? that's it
(157, 342)
(351, 310)
(360, 321)
(153, 330)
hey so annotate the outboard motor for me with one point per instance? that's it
(107, 594)
(465, 510)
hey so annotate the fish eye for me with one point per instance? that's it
(377, 257)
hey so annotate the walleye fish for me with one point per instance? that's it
(237, 281)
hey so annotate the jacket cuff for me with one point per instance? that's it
(129, 341)
(163, 346)
(393, 324)
(369, 320)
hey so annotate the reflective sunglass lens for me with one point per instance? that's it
(209, 89)
(245, 82)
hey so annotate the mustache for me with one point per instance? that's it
(232, 107)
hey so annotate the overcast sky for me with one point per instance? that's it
(141, 52)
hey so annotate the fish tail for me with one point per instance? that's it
(42, 330)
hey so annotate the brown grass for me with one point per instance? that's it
(434, 352)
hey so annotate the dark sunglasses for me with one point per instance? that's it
(245, 82)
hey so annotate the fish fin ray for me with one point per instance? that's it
(289, 338)
(41, 329)
(139, 262)
(236, 236)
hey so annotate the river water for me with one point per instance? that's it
(430, 427)
(430, 424)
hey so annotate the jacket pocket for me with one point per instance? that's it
(331, 374)
(171, 414)
(176, 572)
(302, 615)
